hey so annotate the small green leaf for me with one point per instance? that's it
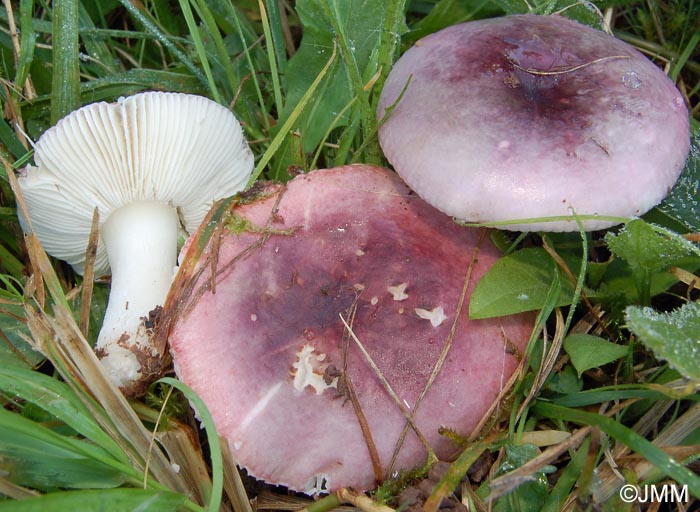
(588, 351)
(114, 500)
(530, 495)
(516, 283)
(564, 382)
(674, 336)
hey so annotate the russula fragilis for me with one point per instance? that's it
(152, 164)
(528, 116)
(262, 341)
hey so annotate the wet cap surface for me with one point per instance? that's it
(266, 350)
(530, 116)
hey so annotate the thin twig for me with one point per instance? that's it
(389, 389)
(89, 273)
(153, 437)
(446, 347)
(359, 413)
(537, 72)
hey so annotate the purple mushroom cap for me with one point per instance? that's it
(523, 117)
(263, 344)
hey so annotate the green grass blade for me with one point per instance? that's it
(287, 126)
(278, 42)
(393, 27)
(114, 500)
(565, 483)
(40, 458)
(367, 114)
(664, 462)
(95, 46)
(619, 392)
(65, 84)
(27, 42)
(9, 139)
(163, 39)
(271, 55)
(682, 59)
(60, 401)
(199, 46)
(213, 439)
(222, 57)
(233, 14)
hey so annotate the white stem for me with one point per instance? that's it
(141, 243)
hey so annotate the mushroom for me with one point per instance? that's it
(263, 339)
(527, 116)
(152, 164)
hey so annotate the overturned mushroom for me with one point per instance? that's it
(264, 342)
(523, 117)
(152, 164)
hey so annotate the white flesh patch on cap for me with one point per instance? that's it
(317, 484)
(309, 372)
(260, 405)
(435, 315)
(398, 291)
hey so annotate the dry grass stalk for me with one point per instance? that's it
(14, 491)
(679, 430)
(233, 485)
(510, 481)
(59, 338)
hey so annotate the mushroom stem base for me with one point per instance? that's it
(141, 243)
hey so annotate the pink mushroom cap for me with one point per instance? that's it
(263, 344)
(523, 117)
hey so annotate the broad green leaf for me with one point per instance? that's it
(588, 351)
(361, 23)
(113, 500)
(34, 456)
(647, 251)
(673, 336)
(516, 283)
(619, 280)
(683, 203)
